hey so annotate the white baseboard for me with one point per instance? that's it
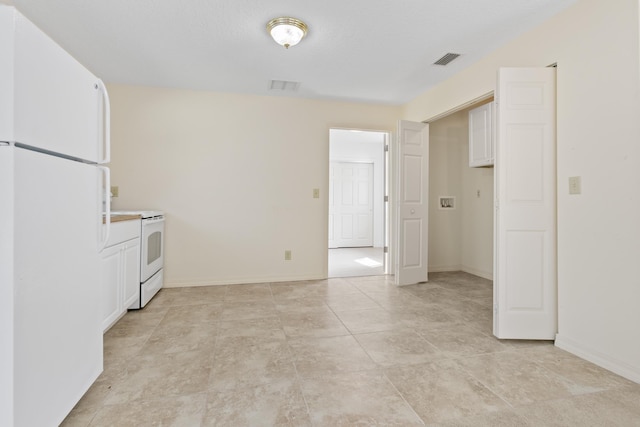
(607, 362)
(187, 283)
(216, 282)
(484, 274)
(444, 268)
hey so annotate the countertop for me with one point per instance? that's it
(121, 217)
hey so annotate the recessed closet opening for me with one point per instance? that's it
(461, 199)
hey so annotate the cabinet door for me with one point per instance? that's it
(481, 136)
(110, 279)
(58, 102)
(131, 272)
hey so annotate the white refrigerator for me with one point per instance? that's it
(53, 140)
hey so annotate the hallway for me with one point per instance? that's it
(354, 262)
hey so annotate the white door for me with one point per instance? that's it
(525, 296)
(6, 281)
(57, 316)
(350, 205)
(413, 207)
(58, 104)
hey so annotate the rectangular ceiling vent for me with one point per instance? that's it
(446, 59)
(284, 86)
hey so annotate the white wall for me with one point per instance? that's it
(445, 145)
(225, 225)
(460, 239)
(366, 147)
(477, 213)
(235, 176)
(595, 44)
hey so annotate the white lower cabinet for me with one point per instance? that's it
(120, 271)
(110, 274)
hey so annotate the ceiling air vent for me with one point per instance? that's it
(283, 86)
(446, 59)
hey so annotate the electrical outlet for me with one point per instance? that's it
(114, 191)
(287, 255)
(316, 193)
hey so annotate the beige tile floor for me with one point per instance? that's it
(350, 262)
(341, 352)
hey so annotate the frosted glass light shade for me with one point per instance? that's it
(287, 31)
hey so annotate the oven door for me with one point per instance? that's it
(152, 251)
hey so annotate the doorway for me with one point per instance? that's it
(461, 230)
(522, 210)
(357, 208)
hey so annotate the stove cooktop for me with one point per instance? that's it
(144, 214)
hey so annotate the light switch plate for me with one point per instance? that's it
(114, 191)
(575, 185)
(316, 193)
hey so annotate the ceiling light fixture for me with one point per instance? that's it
(287, 31)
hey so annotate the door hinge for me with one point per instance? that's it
(386, 250)
(386, 147)
(386, 198)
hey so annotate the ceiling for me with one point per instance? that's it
(375, 51)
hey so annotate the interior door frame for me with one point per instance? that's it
(387, 232)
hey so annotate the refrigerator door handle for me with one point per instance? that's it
(105, 215)
(106, 136)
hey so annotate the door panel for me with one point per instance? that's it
(6, 281)
(57, 93)
(525, 262)
(525, 164)
(413, 206)
(525, 302)
(58, 350)
(412, 178)
(411, 231)
(351, 205)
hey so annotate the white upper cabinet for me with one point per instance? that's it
(481, 136)
(58, 104)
